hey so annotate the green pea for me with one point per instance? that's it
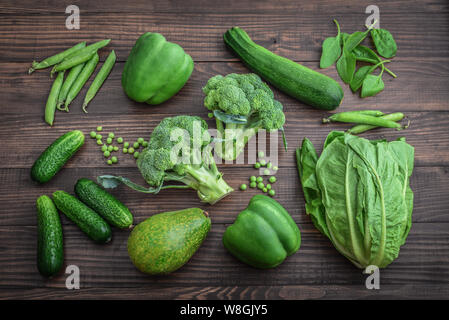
(269, 165)
(243, 187)
(261, 154)
(100, 128)
(268, 186)
(136, 145)
(259, 179)
(261, 185)
(136, 154)
(145, 144)
(110, 148)
(111, 135)
(257, 165)
(99, 142)
(108, 140)
(140, 140)
(52, 99)
(104, 148)
(98, 137)
(81, 80)
(114, 159)
(125, 150)
(99, 79)
(106, 154)
(265, 189)
(252, 178)
(272, 179)
(263, 162)
(115, 148)
(266, 172)
(93, 134)
(120, 140)
(55, 59)
(109, 162)
(275, 168)
(126, 144)
(131, 150)
(210, 115)
(253, 184)
(272, 193)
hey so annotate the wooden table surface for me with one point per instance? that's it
(31, 30)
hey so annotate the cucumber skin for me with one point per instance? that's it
(298, 81)
(84, 217)
(56, 155)
(104, 203)
(50, 249)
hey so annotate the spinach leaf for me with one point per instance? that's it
(384, 42)
(346, 65)
(361, 74)
(331, 49)
(365, 54)
(354, 39)
(372, 85)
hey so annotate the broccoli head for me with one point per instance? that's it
(242, 104)
(179, 150)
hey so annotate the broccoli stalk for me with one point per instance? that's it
(193, 165)
(242, 104)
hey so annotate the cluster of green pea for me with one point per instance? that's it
(257, 182)
(108, 148)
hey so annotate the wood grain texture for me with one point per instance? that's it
(31, 30)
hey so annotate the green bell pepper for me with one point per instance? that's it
(263, 234)
(155, 69)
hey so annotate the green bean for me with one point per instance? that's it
(68, 82)
(57, 58)
(50, 107)
(397, 116)
(99, 79)
(82, 79)
(360, 118)
(83, 55)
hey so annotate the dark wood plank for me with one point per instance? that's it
(224, 7)
(296, 36)
(423, 260)
(18, 194)
(419, 87)
(287, 292)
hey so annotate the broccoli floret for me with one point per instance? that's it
(242, 105)
(179, 150)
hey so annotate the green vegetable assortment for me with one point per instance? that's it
(352, 51)
(357, 192)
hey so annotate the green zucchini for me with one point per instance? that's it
(302, 83)
(56, 155)
(50, 250)
(84, 217)
(104, 203)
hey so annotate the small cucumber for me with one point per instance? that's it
(104, 203)
(84, 217)
(50, 250)
(56, 155)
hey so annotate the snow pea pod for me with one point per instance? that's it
(99, 79)
(55, 59)
(361, 118)
(397, 116)
(85, 74)
(68, 82)
(80, 56)
(50, 107)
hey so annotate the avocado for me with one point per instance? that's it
(166, 241)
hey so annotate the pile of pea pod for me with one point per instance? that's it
(79, 62)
